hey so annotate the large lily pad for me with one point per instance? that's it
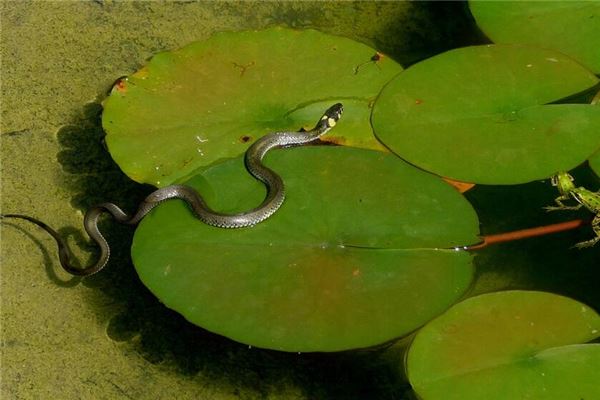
(210, 100)
(508, 345)
(354, 257)
(572, 27)
(595, 159)
(481, 114)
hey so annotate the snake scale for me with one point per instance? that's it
(253, 160)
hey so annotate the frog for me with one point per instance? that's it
(565, 183)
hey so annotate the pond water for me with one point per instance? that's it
(107, 336)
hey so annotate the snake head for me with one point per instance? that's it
(330, 118)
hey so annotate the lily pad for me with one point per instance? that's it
(481, 114)
(508, 345)
(210, 100)
(595, 159)
(356, 256)
(572, 27)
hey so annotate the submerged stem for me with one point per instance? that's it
(527, 233)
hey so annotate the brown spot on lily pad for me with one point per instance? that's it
(462, 187)
(336, 140)
(120, 85)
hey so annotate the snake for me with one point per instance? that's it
(253, 160)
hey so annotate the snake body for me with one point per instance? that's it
(253, 160)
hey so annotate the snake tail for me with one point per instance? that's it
(64, 253)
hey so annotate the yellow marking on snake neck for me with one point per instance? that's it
(331, 122)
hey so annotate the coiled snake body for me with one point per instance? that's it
(253, 159)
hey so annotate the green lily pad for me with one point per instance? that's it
(210, 100)
(595, 159)
(572, 27)
(508, 345)
(354, 257)
(481, 114)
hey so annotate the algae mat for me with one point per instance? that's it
(107, 337)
